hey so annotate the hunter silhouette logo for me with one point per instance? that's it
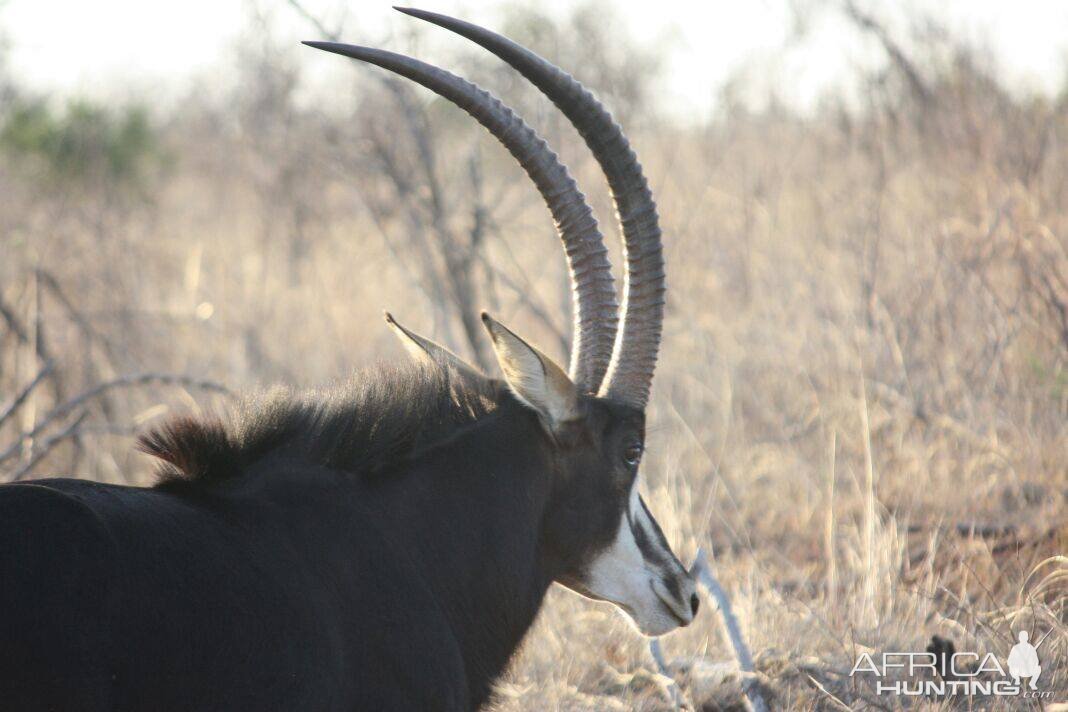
(1023, 661)
(942, 670)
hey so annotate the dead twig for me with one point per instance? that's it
(528, 299)
(449, 256)
(13, 323)
(333, 36)
(140, 379)
(733, 630)
(830, 696)
(89, 332)
(21, 396)
(658, 657)
(48, 445)
(868, 23)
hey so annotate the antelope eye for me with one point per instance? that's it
(633, 454)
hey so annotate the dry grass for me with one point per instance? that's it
(862, 405)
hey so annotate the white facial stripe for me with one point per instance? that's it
(640, 519)
(618, 573)
(634, 502)
(634, 580)
(655, 550)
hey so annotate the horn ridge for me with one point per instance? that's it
(593, 288)
(630, 373)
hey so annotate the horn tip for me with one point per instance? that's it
(389, 318)
(366, 54)
(435, 18)
(335, 47)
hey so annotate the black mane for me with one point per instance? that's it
(365, 427)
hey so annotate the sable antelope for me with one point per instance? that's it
(383, 547)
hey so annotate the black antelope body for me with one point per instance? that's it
(386, 547)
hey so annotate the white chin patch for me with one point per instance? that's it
(621, 575)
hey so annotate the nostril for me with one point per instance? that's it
(694, 603)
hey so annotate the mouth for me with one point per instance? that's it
(667, 606)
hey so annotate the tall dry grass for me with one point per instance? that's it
(862, 403)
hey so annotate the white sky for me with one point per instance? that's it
(125, 47)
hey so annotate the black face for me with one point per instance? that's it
(596, 467)
(598, 537)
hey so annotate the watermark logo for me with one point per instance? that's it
(941, 671)
(1023, 662)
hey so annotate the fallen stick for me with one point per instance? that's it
(703, 572)
(835, 702)
(676, 693)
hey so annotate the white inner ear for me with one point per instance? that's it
(541, 386)
(427, 351)
(525, 375)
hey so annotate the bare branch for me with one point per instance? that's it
(661, 664)
(14, 324)
(703, 572)
(868, 23)
(315, 21)
(89, 332)
(48, 445)
(141, 379)
(22, 395)
(528, 299)
(835, 702)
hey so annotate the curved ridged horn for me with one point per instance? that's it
(593, 289)
(630, 373)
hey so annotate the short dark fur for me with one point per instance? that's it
(382, 548)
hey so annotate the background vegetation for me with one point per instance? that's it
(862, 404)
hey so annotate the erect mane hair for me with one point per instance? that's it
(367, 426)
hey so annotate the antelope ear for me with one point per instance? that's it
(533, 377)
(429, 352)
